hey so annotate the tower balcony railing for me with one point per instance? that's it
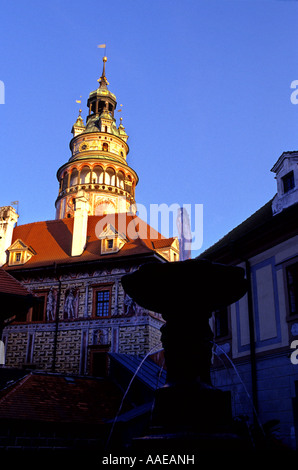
(97, 187)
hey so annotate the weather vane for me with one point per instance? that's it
(16, 203)
(103, 46)
(79, 101)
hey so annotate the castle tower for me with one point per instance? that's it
(97, 164)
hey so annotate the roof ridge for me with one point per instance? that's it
(34, 223)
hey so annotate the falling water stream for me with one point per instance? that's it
(159, 375)
(243, 384)
(128, 388)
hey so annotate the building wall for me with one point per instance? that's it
(274, 331)
(128, 330)
(277, 382)
(272, 325)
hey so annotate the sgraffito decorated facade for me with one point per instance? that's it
(74, 264)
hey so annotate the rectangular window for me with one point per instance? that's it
(102, 303)
(292, 285)
(288, 182)
(39, 308)
(221, 323)
(29, 353)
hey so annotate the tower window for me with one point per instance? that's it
(105, 147)
(288, 182)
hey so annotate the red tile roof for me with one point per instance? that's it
(52, 240)
(9, 285)
(51, 398)
(15, 299)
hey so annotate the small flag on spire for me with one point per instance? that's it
(102, 46)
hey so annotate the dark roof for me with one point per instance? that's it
(148, 372)
(259, 232)
(9, 285)
(9, 376)
(15, 299)
(62, 399)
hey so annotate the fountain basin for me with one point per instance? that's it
(203, 286)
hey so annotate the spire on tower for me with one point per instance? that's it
(103, 82)
(78, 126)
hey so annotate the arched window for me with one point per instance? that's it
(105, 147)
(74, 177)
(110, 176)
(64, 181)
(85, 175)
(98, 174)
(120, 180)
(128, 184)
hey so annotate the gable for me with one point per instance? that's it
(168, 248)
(19, 253)
(111, 240)
(18, 245)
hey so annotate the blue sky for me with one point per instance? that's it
(205, 88)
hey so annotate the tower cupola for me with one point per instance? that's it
(101, 100)
(97, 164)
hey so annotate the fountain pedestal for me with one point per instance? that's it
(186, 293)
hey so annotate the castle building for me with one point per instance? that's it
(73, 265)
(258, 334)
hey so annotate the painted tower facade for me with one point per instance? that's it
(98, 160)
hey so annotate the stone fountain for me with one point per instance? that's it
(188, 410)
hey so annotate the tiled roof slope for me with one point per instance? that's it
(9, 285)
(52, 240)
(62, 399)
(15, 299)
(148, 372)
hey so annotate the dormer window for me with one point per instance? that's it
(288, 182)
(111, 240)
(19, 253)
(286, 170)
(109, 245)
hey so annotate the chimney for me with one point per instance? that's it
(79, 236)
(8, 218)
